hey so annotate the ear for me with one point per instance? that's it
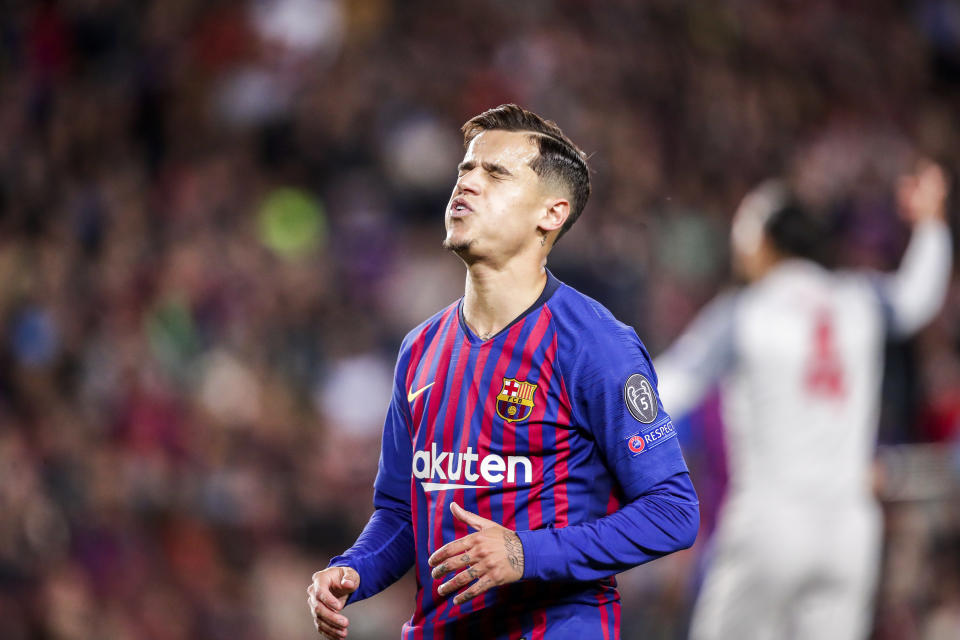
(554, 214)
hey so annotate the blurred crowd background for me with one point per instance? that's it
(218, 219)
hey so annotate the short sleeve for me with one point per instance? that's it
(613, 392)
(396, 450)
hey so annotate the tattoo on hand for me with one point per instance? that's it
(465, 558)
(472, 573)
(514, 550)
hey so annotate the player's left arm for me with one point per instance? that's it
(614, 394)
(662, 520)
(491, 556)
(619, 401)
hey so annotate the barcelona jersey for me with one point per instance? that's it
(547, 427)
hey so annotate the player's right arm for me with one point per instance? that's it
(915, 292)
(385, 550)
(698, 358)
(379, 557)
(327, 595)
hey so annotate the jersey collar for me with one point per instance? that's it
(548, 290)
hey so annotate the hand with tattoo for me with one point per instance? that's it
(489, 558)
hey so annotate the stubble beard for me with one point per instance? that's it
(458, 246)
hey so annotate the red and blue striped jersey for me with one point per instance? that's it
(552, 424)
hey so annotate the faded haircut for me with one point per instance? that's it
(559, 160)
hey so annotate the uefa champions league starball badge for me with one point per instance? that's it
(640, 399)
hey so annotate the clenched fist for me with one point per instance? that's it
(922, 194)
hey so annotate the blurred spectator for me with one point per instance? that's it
(189, 386)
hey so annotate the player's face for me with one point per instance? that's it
(498, 199)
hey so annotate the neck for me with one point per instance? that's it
(494, 297)
(773, 260)
(766, 259)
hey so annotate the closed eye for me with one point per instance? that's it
(497, 170)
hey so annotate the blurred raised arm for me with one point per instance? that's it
(915, 292)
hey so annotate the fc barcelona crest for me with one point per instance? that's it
(515, 400)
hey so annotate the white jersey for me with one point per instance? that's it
(800, 356)
(805, 383)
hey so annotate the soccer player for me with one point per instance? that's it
(801, 353)
(526, 458)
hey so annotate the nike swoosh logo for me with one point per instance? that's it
(412, 395)
(439, 486)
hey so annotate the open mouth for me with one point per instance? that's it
(459, 208)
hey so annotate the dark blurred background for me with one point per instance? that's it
(218, 219)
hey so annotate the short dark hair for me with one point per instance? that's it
(799, 232)
(559, 158)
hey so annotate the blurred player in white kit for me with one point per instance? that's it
(800, 355)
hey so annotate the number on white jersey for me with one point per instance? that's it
(825, 375)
